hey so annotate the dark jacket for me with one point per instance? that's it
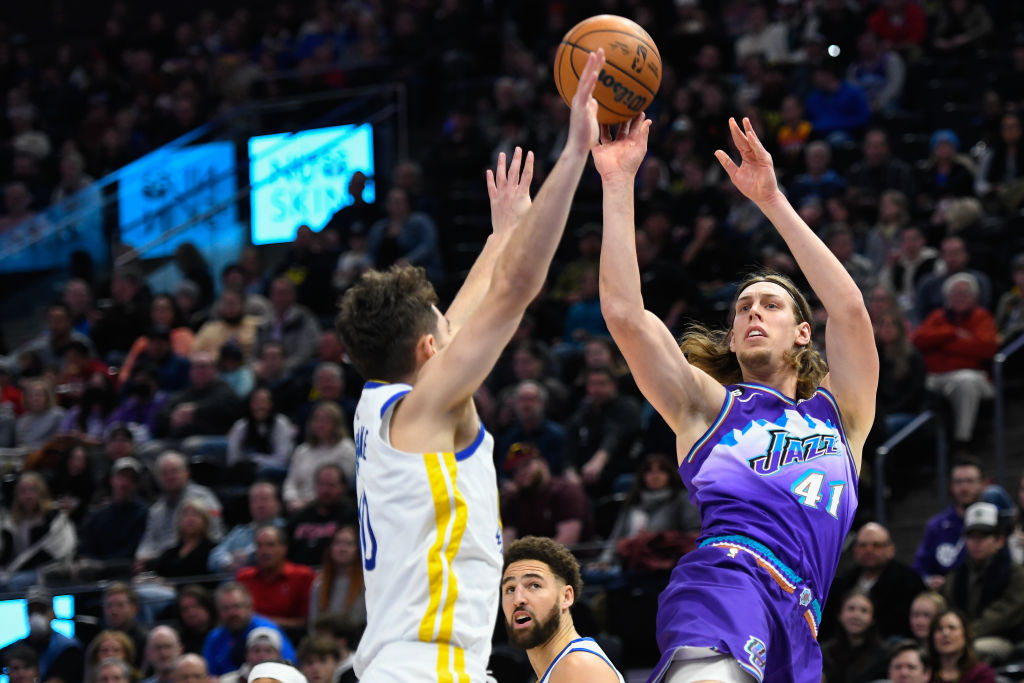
(892, 594)
(217, 408)
(113, 532)
(991, 593)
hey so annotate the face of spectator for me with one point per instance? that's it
(231, 306)
(19, 671)
(118, 611)
(397, 204)
(122, 486)
(28, 495)
(193, 614)
(982, 545)
(162, 649)
(329, 486)
(907, 667)
(841, 246)
(887, 331)
(1010, 129)
(111, 673)
(191, 523)
(58, 322)
(270, 551)
(272, 358)
(531, 600)
(597, 354)
(173, 476)
(263, 505)
(600, 388)
(873, 548)
(76, 296)
(856, 615)
(911, 244)
(655, 476)
(118, 445)
(816, 158)
(111, 647)
(329, 349)
(922, 611)
(36, 398)
(529, 405)
(961, 298)
(202, 371)
(329, 384)
(16, 199)
(949, 637)
(261, 651)
(282, 296)
(190, 670)
(876, 149)
(235, 610)
(123, 289)
(525, 365)
(319, 668)
(954, 254)
(944, 151)
(260, 404)
(344, 546)
(533, 474)
(967, 485)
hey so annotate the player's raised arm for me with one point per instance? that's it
(509, 194)
(677, 390)
(462, 365)
(852, 358)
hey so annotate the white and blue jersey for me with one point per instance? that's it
(431, 546)
(588, 645)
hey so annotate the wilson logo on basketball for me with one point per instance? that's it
(622, 93)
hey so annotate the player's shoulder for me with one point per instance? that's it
(583, 665)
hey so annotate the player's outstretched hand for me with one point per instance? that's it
(623, 154)
(509, 191)
(755, 176)
(583, 126)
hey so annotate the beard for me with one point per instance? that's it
(539, 632)
(755, 359)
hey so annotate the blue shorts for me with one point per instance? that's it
(734, 596)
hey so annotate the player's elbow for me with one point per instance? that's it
(621, 316)
(514, 290)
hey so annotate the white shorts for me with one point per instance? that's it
(423, 662)
(705, 664)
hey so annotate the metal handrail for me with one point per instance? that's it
(883, 451)
(998, 413)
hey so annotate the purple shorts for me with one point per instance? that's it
(734, 596)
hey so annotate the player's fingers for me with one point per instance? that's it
(606, 134)
(636, 124)
(728, 164)
(500, 173)
(527, 177)
(514, 167)
(738, 138)
(492, 190)
(644, 128)
(588, 79)
(755, 142)
(624, 129)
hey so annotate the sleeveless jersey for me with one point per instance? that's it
(431, 545)
(580, 645)
(779, 472)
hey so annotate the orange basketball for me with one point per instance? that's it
(632, 71)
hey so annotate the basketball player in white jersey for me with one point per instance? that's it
(539, 584)
(428, 496)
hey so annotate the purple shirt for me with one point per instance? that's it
(942, 547)
(777, 471)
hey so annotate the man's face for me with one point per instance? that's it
(173, 476)
(191, 670)
(111, 673)
(873, 548)
(122, 486)
(954, 254)
(967, 485)
(319, 668)
(118, 610)
(531, 600)
(600, 388)
(235, 610)
(983, 545)
(261, 651)
(263, 505)
(329, 489)
(119, 445)
(876, 149)
(328, 384)
(270, 551)
(59, 322)
(273, 360)
(907, 667)
(529, 405)
(961, 298)
(161, 651)
(281, 296)
(202, 371)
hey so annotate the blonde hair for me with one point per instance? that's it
(200, 507)
(709, 351)
(334, 412)
(45, 500)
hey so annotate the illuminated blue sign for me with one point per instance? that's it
(302, 178)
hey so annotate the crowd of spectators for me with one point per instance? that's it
(195, 445)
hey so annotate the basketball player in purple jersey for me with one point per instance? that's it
(769, 440)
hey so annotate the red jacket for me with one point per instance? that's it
(968, 344)
(285, 595)
(910, 28)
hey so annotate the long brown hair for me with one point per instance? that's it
(329, 571)
(968, 658)
(709, 351)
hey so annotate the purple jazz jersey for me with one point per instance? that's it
(777, 491)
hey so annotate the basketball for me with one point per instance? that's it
(631, 74)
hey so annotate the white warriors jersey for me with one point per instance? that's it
(580, 645)
(430, 534)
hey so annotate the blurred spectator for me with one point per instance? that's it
(328, 387)
(1010, 308)
(318, 659)
(175, 489)
(163, 647)
(887, 582)
(17, 207)
(33, 533)
(945, 174)
(1001, 168)
(42, 417)
(126, 317)
(270, 372)
(163, 315)
(224, 649)
(279, 588)
(882, 246)
(121, 612)
(311, 528)
(542, 504)
(261, 645)
(338, 590)
(602, 431)
(670, 291)
(233, 371)
(357, 217)
(21, 663)
(839, 240)
(951, 650)
(961, 28)
(405, 237)
(89, 418)
(74, 483)
(909, 663)
(902, 24)
(144, 401)
(531, 427)
(255, 281)
(923, 610)
(836, 106)
(915, 262)
(346, 633)
(327, 442)
(189, 554)
(988, 587)
(877, 172)
(309, 267)
(77, 296)
(941, 548)
(77, 368)
(570, 278)
(196, 617)
(958, 341)
(186, 298)
(109, 645)
(262, 441)
(238, 548)
(231, 323)
(354, 260)
(901, 376)
(190, 668)
(879, 72)
(656, 503)
(290, 324)
(768, 39)
(113, 532)
(233, 277)
(931, 292)
(854, 654)
(60, 332)
(206, 406)
(192, 266)
(792, 135)
(59, 657)
(819, 180)
(583, 320)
